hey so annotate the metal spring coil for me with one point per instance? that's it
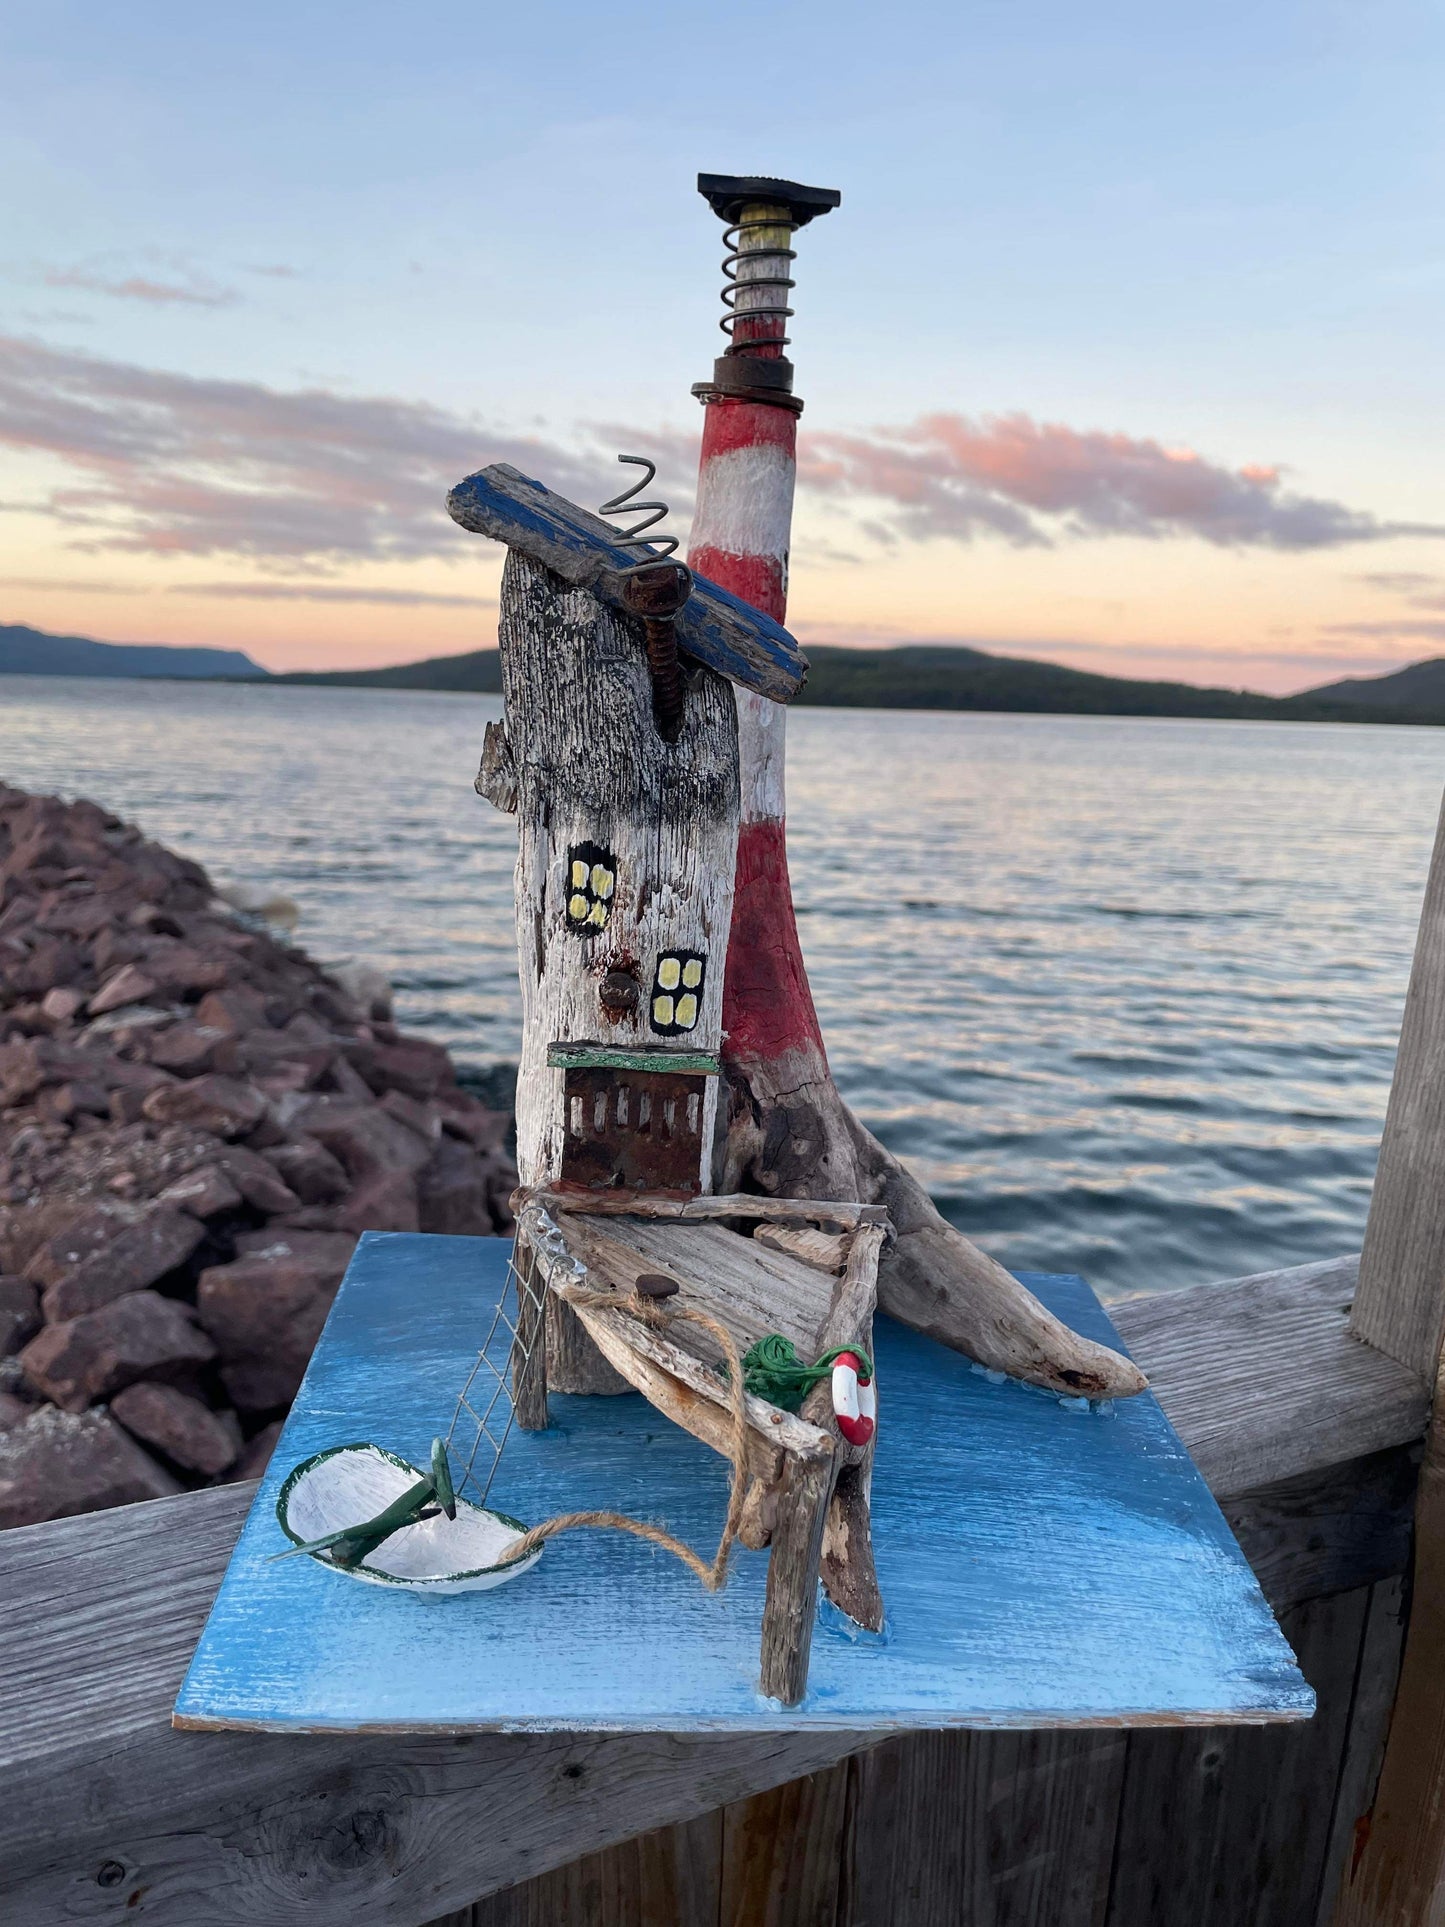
(734, 287)
(656, 547)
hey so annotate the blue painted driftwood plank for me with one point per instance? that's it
(715, 626)
(1041, 1566)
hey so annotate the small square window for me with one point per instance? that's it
(591, 881)
(677, 992)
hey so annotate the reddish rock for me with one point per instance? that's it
(501, 1184)
(465, 1116)
(22, 1071)
(129, 985)
(367, 1139)
(452, 1193)
(83, 1229)
(178, 1426)
(276, 1055)
(126, 1106)
(204, 1194)
(211, 1103)
(189, 1048)
(345, 1081)
(424, 1119)
(121, 1075)
(139, 1336)
(80, 917)
(19, 1314)
(412, 1066)
(53, 960)
(268, 1133)
(384, 1201)
(146, 916)
(234, 1009)
(183, 971)
(309, 1169)
(13, 1410)
(63, 1003)
(311, 1217)
(54, 1464)
(265, 1314)
(139, 1254)
(39, 853)
(307, 1032)
(256, 1454)
(113, 948)
(329, 1251)
(258, 1182)
(66, 1101)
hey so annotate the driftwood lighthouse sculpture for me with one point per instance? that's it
(641, 752)
(701, 1221)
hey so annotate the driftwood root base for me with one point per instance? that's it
(790, 1134)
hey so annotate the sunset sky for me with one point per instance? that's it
(1123, 349)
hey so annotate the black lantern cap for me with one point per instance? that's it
(728, 194)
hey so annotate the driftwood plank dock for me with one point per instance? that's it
(1308, 1439)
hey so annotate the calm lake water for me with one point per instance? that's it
(1125, 993)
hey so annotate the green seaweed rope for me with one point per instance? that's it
(773, 1370)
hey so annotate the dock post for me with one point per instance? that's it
(1396, 1876)
(1400, 1301)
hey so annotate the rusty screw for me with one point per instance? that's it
(619, 993)
(656, 592)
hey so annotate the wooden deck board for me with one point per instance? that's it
(99, 1616)
(1262, 1379)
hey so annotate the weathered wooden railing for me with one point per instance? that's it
(1308, 1438)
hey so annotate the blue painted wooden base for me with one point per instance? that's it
(1041, 1566)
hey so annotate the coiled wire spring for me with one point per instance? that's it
(654, 588)
(655, 548)
(773, 258)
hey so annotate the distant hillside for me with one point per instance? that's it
(912, 676)
(479, 672)
(917, 676)
(932, 676)
(30, 652)
(1420, 687)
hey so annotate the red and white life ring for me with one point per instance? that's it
(855, 1400)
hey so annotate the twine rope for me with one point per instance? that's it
(714, 1574)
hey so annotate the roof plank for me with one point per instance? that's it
(715, 627)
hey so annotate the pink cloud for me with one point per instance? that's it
(305, 480)
(137, 287)
(170, 464)
(1035, 482)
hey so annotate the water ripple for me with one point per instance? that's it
(1124, 991)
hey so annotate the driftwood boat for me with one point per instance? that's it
(748, 1322)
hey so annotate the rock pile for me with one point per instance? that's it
(196, 1121)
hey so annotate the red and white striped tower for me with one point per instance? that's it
(740, 538)
(789, 1132)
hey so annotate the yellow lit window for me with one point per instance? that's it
(677, 991)
(591, 881)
